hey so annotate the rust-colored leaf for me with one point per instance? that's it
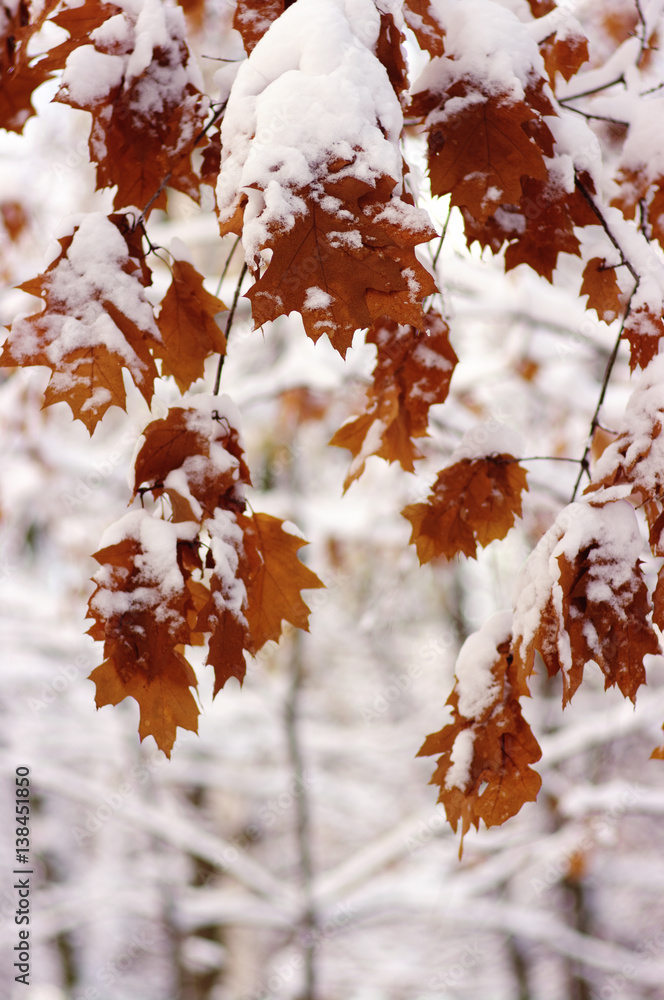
(565, 54)
(601, 286)
(21, 72)
(480, 146)
(189, 333)
(644, 330)
(413, 371)
(421, 18)
(484, 769)
(144, 124)
(471, 503)
(596, 605)
(252, 19)
(343, 269)
(84, 335)
(141, 608)
(196, 452)
(273, 577)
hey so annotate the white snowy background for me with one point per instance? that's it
(194, 878)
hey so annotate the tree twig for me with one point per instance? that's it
(229, 324)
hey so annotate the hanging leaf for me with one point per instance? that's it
(471, 503)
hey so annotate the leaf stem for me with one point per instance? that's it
(229, 324)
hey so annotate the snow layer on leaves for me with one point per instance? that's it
(486, 43)
(613, 528)
(91, 273)
(226, 541)
(474, 668)
(637, 455)
(156, 562)
(311, 92)
(90, 75)
(148, 25)
(462, 756)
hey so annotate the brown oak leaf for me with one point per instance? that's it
(343, 269)
(273, 576)
(144, 124)
(537, 229)
(194, 455)
(484, 769)
(644, 329)
(421, 18)
(481, 145)
(413, 371)
(141, 608)
(252, 19)
(564, 54)
(596, 605)
(189, 333)
(96, 321)
(471, 503)
(21, 72)
(601, 286)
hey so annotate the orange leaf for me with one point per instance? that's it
(643, 329)
(20, 72)
(252, 18)
(144, 127)
(595, 606)
(389, 50)
(329, 263)
(141, 610)
(273, 576)
(471, 503)
(484, 770)
(421, 18)
(84, 334)
(189, 333)
(165, 701)
(480, 147)
(198, 447)
(413, 371)
(564, 55)
(601, 286)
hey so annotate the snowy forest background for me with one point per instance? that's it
(293, 849)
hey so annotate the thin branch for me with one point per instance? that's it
(442, 235)
(309, 921)
(229, 324)
(585, 465)
(605, 226)
(599, 118)
(592, 90)
(227, 265)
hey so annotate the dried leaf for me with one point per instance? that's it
(96, 321)
(596, 604)
(564, 55)
(601, 286)
(141, 612)
(421, 18)
(189, 333)
(413, 371)
(484, 770)
(252, 19)
(342, 269)
(20, 71)
(471, 503)
(144, 126)
(197, 453)
(480, 146)
(273, 576)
